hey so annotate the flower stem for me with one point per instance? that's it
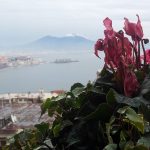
(136, 55)
(139, 61)
(144, 54)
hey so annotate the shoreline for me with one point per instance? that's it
(25, 98)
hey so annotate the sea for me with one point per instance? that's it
(50, 76)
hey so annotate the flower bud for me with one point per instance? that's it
(146, 41)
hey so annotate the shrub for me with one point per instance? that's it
(112, 113)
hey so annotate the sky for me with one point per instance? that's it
(23, 21)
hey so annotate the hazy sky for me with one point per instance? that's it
(22, 21)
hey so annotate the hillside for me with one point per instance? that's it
(71, 42)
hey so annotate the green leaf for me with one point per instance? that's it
(51, 112)
(43, 127)
(110, 97)
(72, 141)
(145, 140)
(66, 123)
(76, 85)
(105, 72)
(73, 136)
(130, 146)
(105, 79)
(103, 112)
(113, 97)
(60, 126)
(108, 129)
(80, 100)
(133, 118)
(145, 109)
(123, 136)
(49, 105)
(44, 106)
(89, 86)
(77, 91)
(145, 88)
(111, 147)
(70, 95)
(59, 97)
(122, 110)
(56, 130)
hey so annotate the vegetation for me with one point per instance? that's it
(113, 113)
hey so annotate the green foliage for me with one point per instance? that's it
(111, 147)
(131, 117)
(145, 140)
(93, 117)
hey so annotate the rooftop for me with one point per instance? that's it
(26, 115)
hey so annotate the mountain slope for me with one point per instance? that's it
(61, 43)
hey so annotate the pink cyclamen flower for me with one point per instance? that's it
(134, 29)
(111, 49)
(99, 46)
(109, 32)
(127, 47)
(147, 56)
(131, 84)
(147, 53)
(108, 23)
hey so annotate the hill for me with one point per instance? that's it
(70, 42)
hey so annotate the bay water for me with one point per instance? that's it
(51, 76)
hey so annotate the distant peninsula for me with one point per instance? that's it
(16, 61)
(65, 60)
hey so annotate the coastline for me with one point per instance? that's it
(24, 98)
